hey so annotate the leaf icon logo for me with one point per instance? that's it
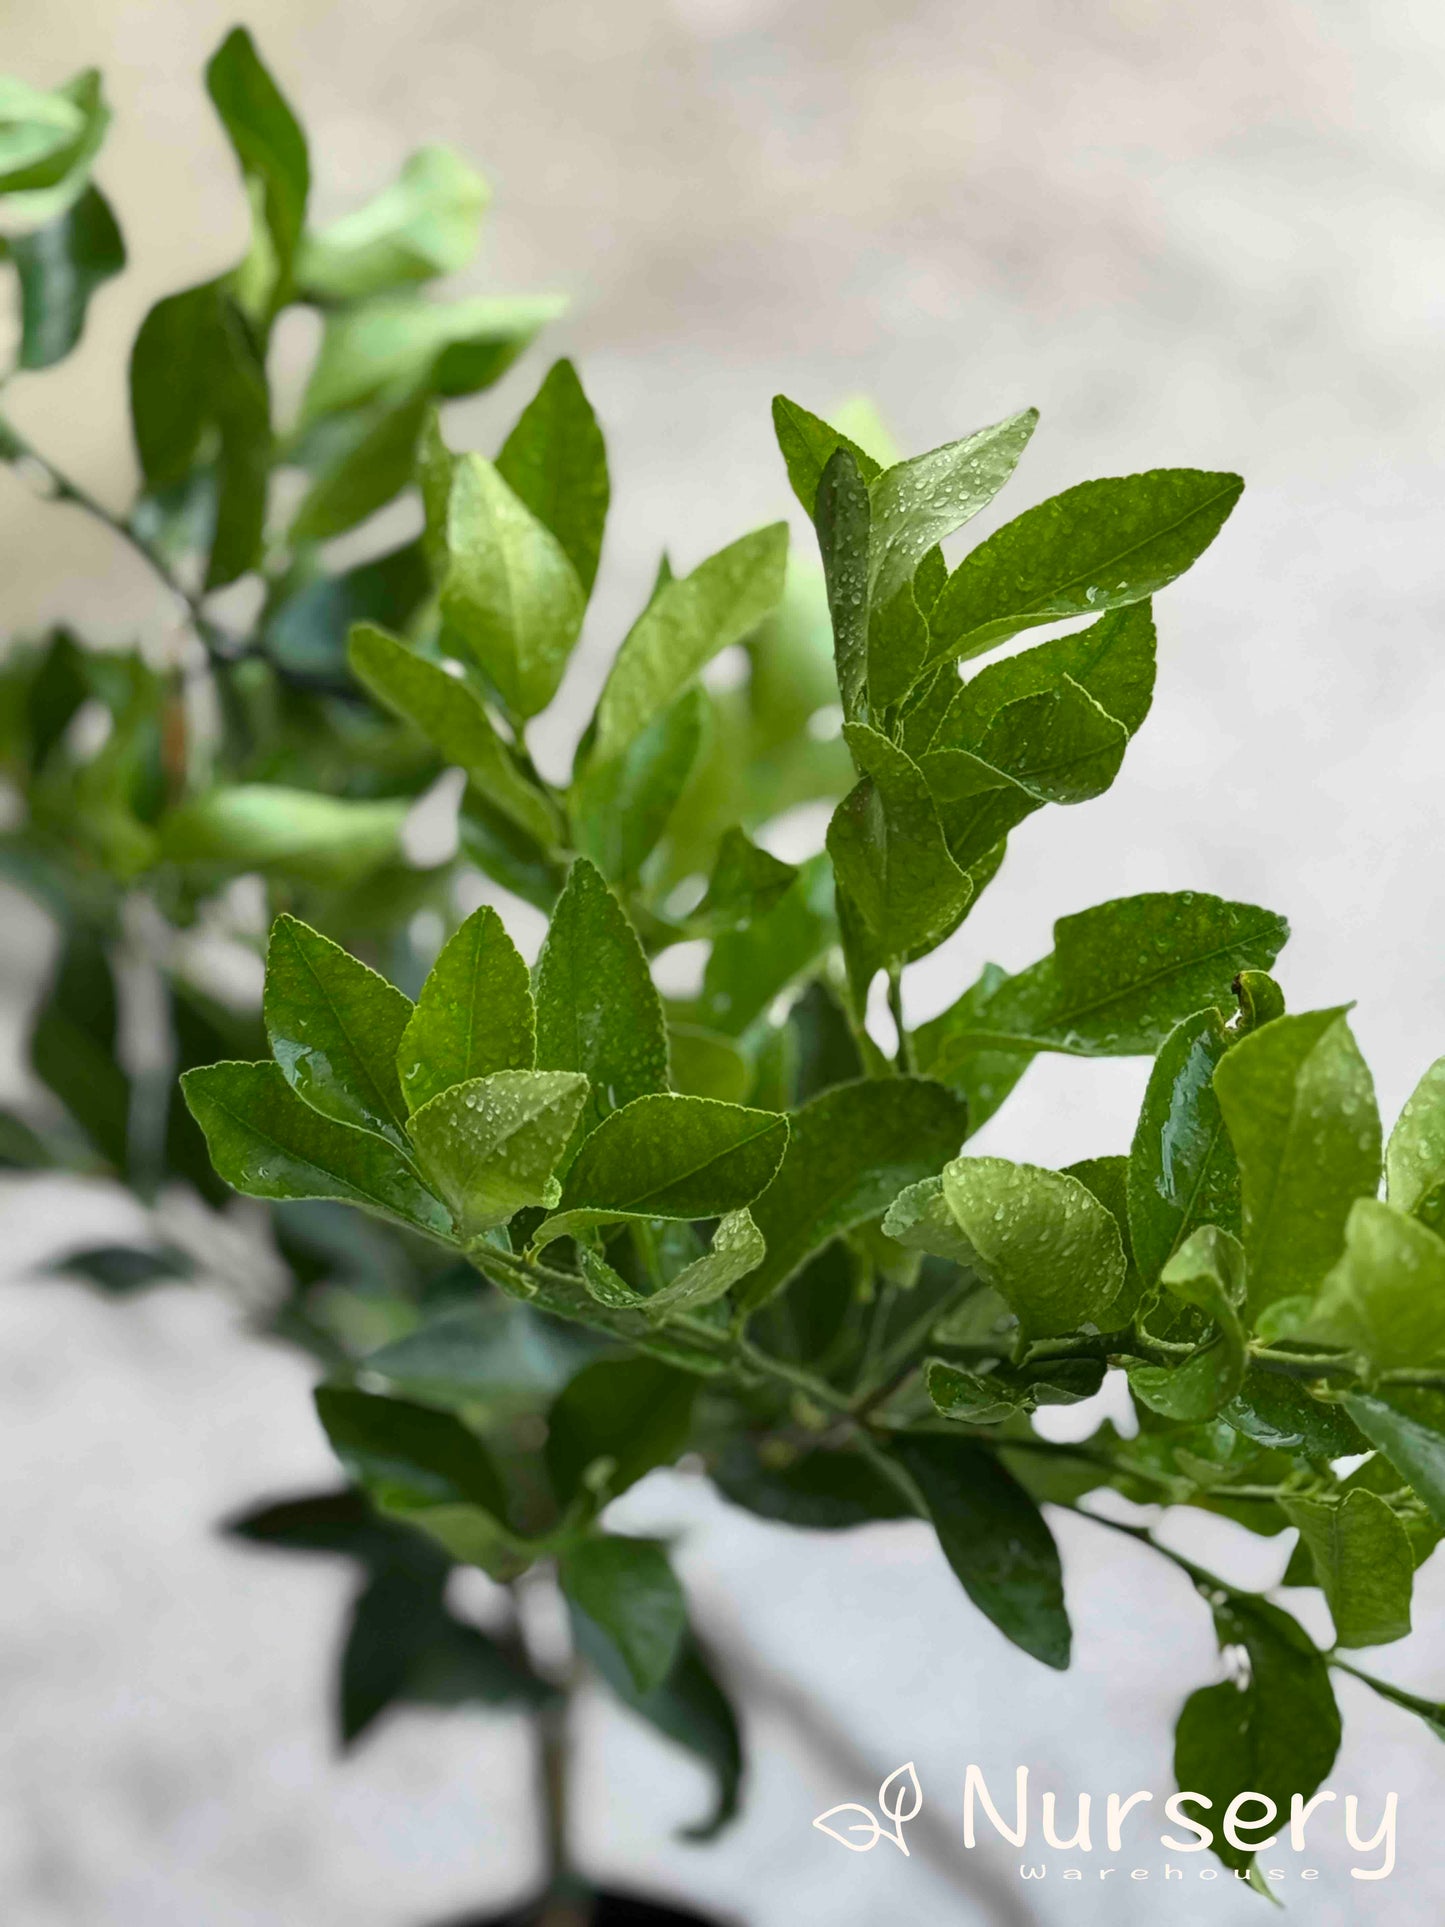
(900, 1799)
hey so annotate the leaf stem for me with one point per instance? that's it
(903, 1058)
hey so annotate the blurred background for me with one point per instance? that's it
(1204, 235)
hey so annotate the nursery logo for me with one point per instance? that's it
(1247, 1817)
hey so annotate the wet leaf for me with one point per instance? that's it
(491, 1145)
(474, 1015)
(1415, 1155)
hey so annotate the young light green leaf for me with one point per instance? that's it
(597, 1008)
(446, 711)
(632, 1413)
(842, 518)
(745, 884)
(686, 624)
(1182, 1168)
(808, 444)
(266, 136)
(1207, 1271)
(967, 1397)
(1095, 547)
(1362, 1561)
(1277, 1735)
(555, 461)
(60, 267)
(399, 345)
(851, 1150)
(994, 1537)
(406, 1454)
(510, 595)
(335, 1027)
(1299, 1107)
(1415, 1155)
(918, 502)
(629, 1592)
(298, 834)
(1385, 1298)
(668, 1156)
(47, 144)
(423, 225)
(1040, 1239)
(474, 1015)
(1410, 1431)
(737, 1248)
(265, 1142)
(890, 858)
(620, 809)
(491, 1145)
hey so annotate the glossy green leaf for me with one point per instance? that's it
(491, 1145)
(399, 345)
(264, 1141)
(597, 1009)
(890, 858)
(690, 620)
(972, 1398)
(424, 224)
(707, 1064)
(746, 883)
(808, 443)
(60, 267)
(749, 967)
(851, 1150)
(1410, 1430)
(406, 1454)
(555, 461)
(1120, 977)
(620, 809)
(1039, 1238)
(1299, 1106)
(447, 711)
(510, 595)
(1384, 1300)
(1182, 1168)
(266, 136)
(334, 1027)
(1107, 1178)
(669, 1156)
(1282, 1414)
(1095, 547)
(615, 1421)
(918, 502)
(1415, 1155)
(474, 1015)
(842, 516)
(1362, 1561)
(1276, 1735)
(1206, 1271)
(994, 1537)
(629, 1592)
(737, 1248)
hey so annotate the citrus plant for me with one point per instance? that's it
(606, 1227)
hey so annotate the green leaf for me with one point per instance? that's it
(707, 1064)
(47, 144)
(668, 1156)
(73, 1046)
(447, 712)
(808, 445)
(335, 1027)
(368, 468)
(690, 1708)
(474, 1015)
(1431, 1711)
(826, 1491)
(119, 1270)
(1120, 977)
(1282, 1415)
(1182, 1168)
(1415, 1155)
(632, 1413)
(490, 1145)
(408, 1455)
(942, 1049)
(424, 225)
(400, 345)
(289, 833)
(995, 1539)
(510, 595)
(628, 1591)
(749, 967)
(1040, 1239)
(1411, 1434)
(686, 624)
(60, 267)
(844, 541)
(737, 1248)
(597, 1009)
(620, 809)
(1385, 1297)
(1276, 1735)
(890, 859)
(1299, 1106)
(1095, 547)
(555, 461)
(1207, 1271)
(919, 502)
(307, 628)
(265, 1142)
(1108, 1179)
(1362, 1561)
(745, 884)
(494, 1354)
(972, 1398)
(266, 136)
(851, 1150)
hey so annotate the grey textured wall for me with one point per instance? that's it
(1209, 234)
